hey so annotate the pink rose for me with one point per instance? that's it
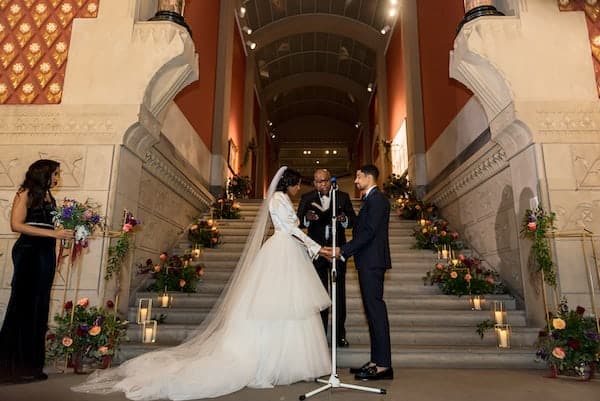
(461, 257)
(489, 280)
(127, 227)
(439, 266)
(559, 353)
(455, 235)
(163, 256)
(103, 350)
(443, 233)
(84, 302)
(532, 226)
(157, 268)
(454, 274)
(468, 277)
(67, 341)
(182, 283)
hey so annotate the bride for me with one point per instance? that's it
(265, 330)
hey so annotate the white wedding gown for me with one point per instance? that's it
(266, 329)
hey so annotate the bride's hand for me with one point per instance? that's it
(326, 252)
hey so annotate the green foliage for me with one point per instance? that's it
(226, 209)
(397, 186)
(175, 273)
(484, 326)
(536, 224)
(464, 276)
(205, 233)
(117, 252)
(572, 342)
(94, 332)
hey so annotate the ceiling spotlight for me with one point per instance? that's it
(242, 12)
(370, 87)
(327, 152)
(251, 44)
(269, 123)
(247, 30)
(273, 135)
(317, 162)
(392, 12)
(357, 125)
(335, 152)
(308, 152)
(385, 29)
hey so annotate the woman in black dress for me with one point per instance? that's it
(22, 338)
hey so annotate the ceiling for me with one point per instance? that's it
(315, 59)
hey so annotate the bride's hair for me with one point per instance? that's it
(288, 179)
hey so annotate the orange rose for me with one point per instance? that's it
(103, 350)
(157, 268)
(454, 274)
(532, 226)
(181, 283)
(558, 323)
(95, 330)
(163, 256)
(67, 341)
(83, 302)
(439, 266)
(468, 277)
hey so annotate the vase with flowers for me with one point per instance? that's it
(86, 336)
(571, 344)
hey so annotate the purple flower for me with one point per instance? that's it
(434, 239)
(531, 218)
(95, 219)
(67, 213)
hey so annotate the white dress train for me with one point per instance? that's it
(266, 330)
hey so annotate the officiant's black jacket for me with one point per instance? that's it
(316, 228)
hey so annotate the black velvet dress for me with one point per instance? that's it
(22, 338)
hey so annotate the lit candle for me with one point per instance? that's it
(196, 252)
(143, 314)
(476, 303)
(503, 338)
(444, 254)
(454, 262)
(148, 332)
(423, 222)
(499, 317)
(164, 300)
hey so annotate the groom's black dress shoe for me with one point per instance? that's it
(372, 374)
(363, 367)
(343, 343)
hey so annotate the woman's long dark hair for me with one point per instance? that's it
(38, 180)
(288, 179)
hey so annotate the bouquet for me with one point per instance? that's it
(83, 218)
(85, 334)
(205, 233)
(226, 209)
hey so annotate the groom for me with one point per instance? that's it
(371, 250)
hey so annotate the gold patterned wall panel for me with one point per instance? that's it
(34, 46)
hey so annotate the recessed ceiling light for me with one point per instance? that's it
(247, 30)
(251, 44)
(392, 12)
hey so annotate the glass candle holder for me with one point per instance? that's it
(476, 302)
(197, 251)
(503, 332)
(149, 330)
(144, 312)
(499, 315)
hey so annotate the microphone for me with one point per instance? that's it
(333, 182)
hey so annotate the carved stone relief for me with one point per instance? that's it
(586, 162)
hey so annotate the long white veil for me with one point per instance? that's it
(151, 367)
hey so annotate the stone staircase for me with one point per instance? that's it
(428, 329)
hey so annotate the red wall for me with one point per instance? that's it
(197, 100)
(396, 84)
(443, 97)
(236, 113)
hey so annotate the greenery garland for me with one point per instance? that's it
(536, 224)
(118, 252)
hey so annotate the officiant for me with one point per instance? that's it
(315, 213)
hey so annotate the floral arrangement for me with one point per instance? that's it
(117, 252)
(173, 273)
(464, 276)
(226, 209)
(411, 208)
(84, 332)
(571, 344)
(238, 186)
(536, 224)
(83, 218)
(397, 186)
(205, 233)
(435, 234)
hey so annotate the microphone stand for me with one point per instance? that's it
(334, 381)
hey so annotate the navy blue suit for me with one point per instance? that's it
(371, 250)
